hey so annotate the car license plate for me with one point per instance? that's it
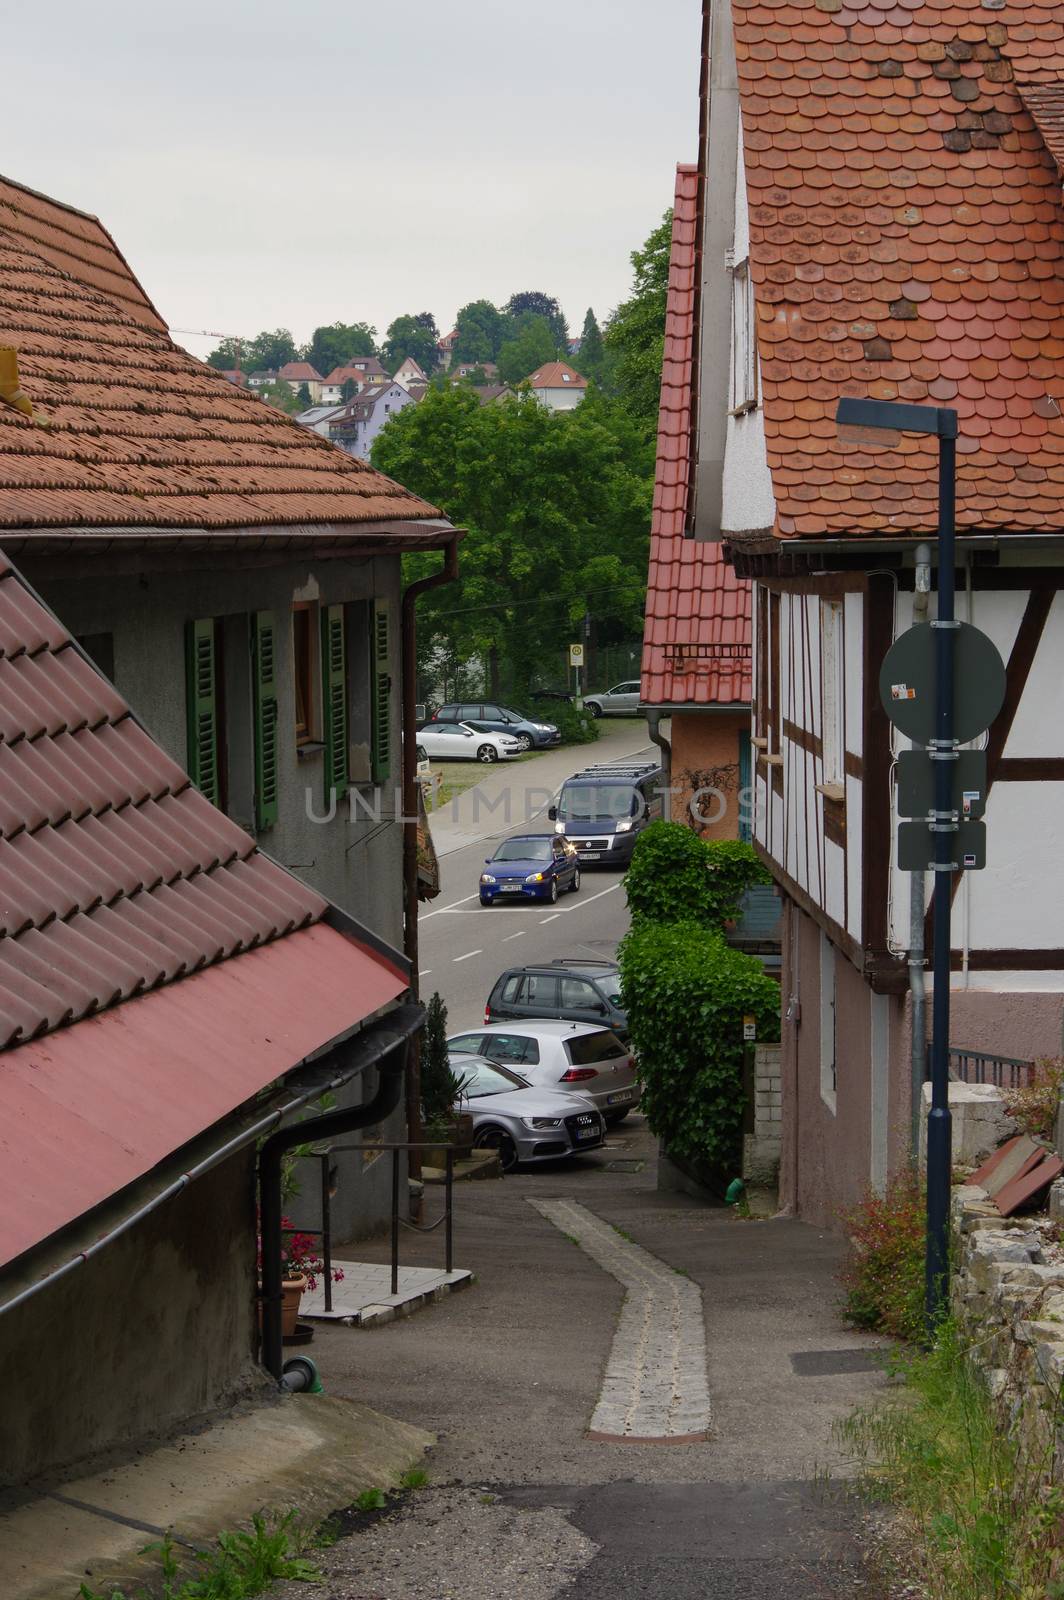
(590, 855)
(615, 1099)
(587, 1133)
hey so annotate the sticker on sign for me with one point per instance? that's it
(749, 1028)
(902, 691)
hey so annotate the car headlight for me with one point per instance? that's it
(559, 827)
(542, 1122)
(486, 877)
(535, 877)
(623, 827)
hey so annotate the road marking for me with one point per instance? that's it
(655, 1385)
(555, 917)
(468, 955)
(425, 972)
(442, 909)
(518, 935)
(592, 897)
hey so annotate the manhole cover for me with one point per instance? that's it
(625, 1166)
(826, 1363)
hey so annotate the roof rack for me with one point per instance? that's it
(607, 771)
(582, 961)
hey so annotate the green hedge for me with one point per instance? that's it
(575, 726)
(675, 876)
(686, 992)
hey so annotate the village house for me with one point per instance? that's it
(696, 642)
(356, 426)
(360, 371)
(235, 577)
(299, 375)
(446, 348)
(410, 372)
(461, 370)
(558, 386)
(879, 215)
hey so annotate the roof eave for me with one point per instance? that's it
(428, 533)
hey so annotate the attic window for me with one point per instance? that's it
(744, 341)
(565, 377)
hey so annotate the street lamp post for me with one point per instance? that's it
(944, 820)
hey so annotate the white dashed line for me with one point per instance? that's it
(543, 920)
(518, 935)
(425, 972)
(468, 955)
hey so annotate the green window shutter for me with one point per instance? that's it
(334, 701)
(201, 702)
(264, 683)
(382, 694)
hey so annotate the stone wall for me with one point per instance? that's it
(1008, 1297)
(761, 1149)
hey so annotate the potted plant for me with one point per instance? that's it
(441, 1089)
(302, 1266)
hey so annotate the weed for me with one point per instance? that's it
(414, 1478)
(573, 1239)
(1034, 1108)
(982, 1512)
(371, 1500)
(241, 1565)
(623, 1233)
(681, 1272)
(488, 1499)
(884, 1276)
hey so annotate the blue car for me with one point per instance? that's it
(530, 866)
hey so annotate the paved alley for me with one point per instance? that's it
(576, 1266)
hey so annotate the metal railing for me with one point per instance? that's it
(324, 1233)
(976, 1066)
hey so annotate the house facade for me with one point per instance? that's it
(410, 372)
(558, 386)
(360, 370)
(356, 427)
(696, 642)
(299, 375)
(235, 577)
(911, 251)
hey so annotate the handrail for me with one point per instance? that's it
(980, 1066)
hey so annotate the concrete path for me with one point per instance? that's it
(525, 1500)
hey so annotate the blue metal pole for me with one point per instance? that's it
(945, 833)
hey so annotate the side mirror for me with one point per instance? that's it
(552, 814)
(487, 861)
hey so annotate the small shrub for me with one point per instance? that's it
(676, 876)
(575, 725)
(686, 992)
(440, 1087)
(371, 1500)
(884, 1276)
(240, 1566)
(1034, 1109)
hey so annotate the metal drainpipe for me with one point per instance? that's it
(408, 629)
(385, 1046)
(918, 908)
(657, 737)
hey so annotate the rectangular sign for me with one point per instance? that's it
(576, 655)
(916, 847)
(916, 783)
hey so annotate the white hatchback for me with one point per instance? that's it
(457, 741)
(576, 1057)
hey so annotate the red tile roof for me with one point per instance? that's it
(907, 242)
(130, 432)
(156, 969)
(557, 375)
(696, 643)
(299, 372)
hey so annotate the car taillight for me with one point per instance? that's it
(578, 1074)
(487, 1016)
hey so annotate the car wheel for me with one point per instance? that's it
(574, 886)
(421, 755)
(596, 711)
(487, 752)
(499, 1140)
(524, 742)
(554, 891)
(614, 1117)
(486, 900)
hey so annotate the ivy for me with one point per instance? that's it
(676, 876)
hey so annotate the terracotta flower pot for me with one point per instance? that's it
(292, 1293)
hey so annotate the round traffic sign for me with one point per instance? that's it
(907, 682)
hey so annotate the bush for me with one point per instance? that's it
(575, 725)
(686, 992)
(440, 1087)
(1034, 1109)
(676, 876)
(884, 1276)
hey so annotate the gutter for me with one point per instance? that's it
(654, 716)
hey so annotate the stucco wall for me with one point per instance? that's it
(705, 754)
(156, 1330)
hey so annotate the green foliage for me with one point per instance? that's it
(480, 327)
(303, 395)
(575, 725)
(414, 1478)
(371, 1500)
(415, 336)
(534, 303)
(635, 335)
(884, 1275)
(440, 1087)
(267, 352)
(280, 396)
(348, 390)
(686, 993)
(590, 360)
(229, 355)
(240, 1566)
(979, 1509)
(677, 876)
(334, 345)
(1034, 1108)
(529, 347)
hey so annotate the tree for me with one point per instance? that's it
(334, 345)
(230, 355)
(303, 396)
(415, 336)
(280, 396)
(540, 305)
(635, 335)
(348, 390)
(268, 352)
(528, 349)
(480, 327)
(591, 358)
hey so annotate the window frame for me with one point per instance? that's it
(304, 638)
(744, 369)
(833, 701)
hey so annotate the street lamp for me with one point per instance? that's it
(895, 417)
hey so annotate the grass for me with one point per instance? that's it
(981, 1517)
(240, 1566)
(371, 1500)
(414, 1478)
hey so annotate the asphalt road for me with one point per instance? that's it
(464, 945)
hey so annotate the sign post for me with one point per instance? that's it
(576, 660)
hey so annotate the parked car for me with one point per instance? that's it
(603, 810)
(520, 1122)
(620, 701)
(489, 717)
(454, 741)
(530, 866)
(568, 988)
(563, 1056)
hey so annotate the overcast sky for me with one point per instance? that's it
(284, 163)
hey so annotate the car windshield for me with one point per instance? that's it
(597, 802)
(610, 984)
(523, 850)
(482, 1078)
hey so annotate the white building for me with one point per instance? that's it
(558, 386)
(355, 426)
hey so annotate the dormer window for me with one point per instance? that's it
(744, 341)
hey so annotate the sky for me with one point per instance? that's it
(286, 163)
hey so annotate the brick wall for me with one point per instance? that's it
(761, 1149)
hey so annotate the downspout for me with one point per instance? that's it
(654, 716)
(918, 909)
(384, 1045)
(408, 633)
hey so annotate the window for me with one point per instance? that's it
(578, 995)
(744, 340)
(511, 989)
(381, 693)
(334, 702)
(264, 717)
(468, 1042)
(511, 1049)
(828, 1027)
(303, 671)
(833, 736)
(589, 1047)
(539, 989)
(203, 708)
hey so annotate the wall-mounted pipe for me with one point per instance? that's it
(383, 1045)
(654, 717)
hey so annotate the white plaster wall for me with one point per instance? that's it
(853, 644)
(854, 844)
(1038, 729)
(748, 500)
(835, 873)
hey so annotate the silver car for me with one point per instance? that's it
(579, 1058)
(620, 701)
(520, 1122)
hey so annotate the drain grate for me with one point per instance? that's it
(625, 1166)
(827, 1363)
